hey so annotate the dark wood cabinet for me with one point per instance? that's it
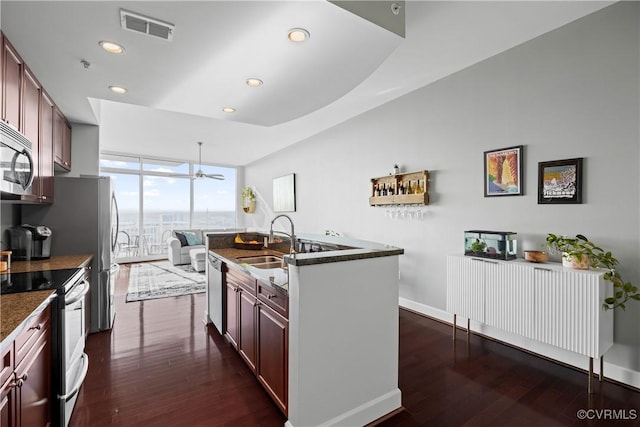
(45, 149)
(257, 326)
(11, 84)
(30, 125)
(33, 375)
(7, 389)
(61, 140)
(273, 348)
(27, 107)
(247, 317)
(25, 376)
(231, 313)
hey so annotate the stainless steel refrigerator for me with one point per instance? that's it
(83, 220)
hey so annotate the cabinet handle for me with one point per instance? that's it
(270, 296)
(542, 269)
(23, 377)
(37, 327)
(491, 262)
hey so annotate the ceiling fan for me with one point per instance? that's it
(199, 173)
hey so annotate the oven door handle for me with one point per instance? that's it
(77, 297)
(78, 384)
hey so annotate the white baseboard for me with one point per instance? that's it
(365, 413)
(615, 372)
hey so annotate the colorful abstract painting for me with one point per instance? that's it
(560, 181)
(503, 172)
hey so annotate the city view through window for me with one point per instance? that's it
(157, 196)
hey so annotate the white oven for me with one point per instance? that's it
(76, 362)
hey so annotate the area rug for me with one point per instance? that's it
(151, 280)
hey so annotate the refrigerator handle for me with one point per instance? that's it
(114, 236)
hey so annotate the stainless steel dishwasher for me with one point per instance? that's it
(216, 270)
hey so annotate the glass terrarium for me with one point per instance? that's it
(490, 244)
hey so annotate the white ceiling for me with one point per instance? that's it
(178, 88)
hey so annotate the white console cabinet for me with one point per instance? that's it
(545, 302)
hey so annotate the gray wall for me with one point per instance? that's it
(573, 92)
(85, 150)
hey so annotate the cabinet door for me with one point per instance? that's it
(7, 389)
(11, 82)
(273, 352)
(465, 287)
(247, 315)
(8, 416)
(61, 140)
(231, 313)
(568, 311)
(45, 152)
(34, 393)
(30, 125)
(509, 297)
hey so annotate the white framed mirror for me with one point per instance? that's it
(284, 193)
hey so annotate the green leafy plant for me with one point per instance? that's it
(248, 194)
(580, 247)
(477, 246)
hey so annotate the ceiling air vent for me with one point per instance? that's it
(145, 25)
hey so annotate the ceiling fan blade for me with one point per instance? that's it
(215, 176)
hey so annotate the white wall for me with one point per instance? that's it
(573, 92)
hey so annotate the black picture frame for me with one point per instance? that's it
(560, 182)
(496, 162)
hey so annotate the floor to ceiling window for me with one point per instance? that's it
(157, 196)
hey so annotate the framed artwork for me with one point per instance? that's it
(560, 181)
(284, 193)
(503, 172)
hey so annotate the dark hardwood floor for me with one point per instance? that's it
(160, 366)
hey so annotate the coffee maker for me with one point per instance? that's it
(30, 242)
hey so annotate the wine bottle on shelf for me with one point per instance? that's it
(384, 189)
(391, 189)
(376, 190)
(418, 187)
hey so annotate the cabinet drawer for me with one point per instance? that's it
(243, 280)
(6, 364)
(36, 328)
(274, 299)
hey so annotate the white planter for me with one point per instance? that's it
(249, 206)
(573, 262)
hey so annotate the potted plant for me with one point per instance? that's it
(248, 200)
(580, 252)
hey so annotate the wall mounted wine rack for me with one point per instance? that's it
(411, 188)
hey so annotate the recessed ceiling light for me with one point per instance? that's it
(253, 82)
(118, 90)
(229, 110)
(111, 47)
(298, 34)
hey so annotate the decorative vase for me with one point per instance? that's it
(573, 262)
(249, 206)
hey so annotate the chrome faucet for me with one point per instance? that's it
(292, 236)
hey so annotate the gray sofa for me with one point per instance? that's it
(178, 252)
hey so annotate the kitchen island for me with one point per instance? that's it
(342, 330)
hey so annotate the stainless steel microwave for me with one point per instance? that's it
(16, 161)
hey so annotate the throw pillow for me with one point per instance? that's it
(182, 238)
(192, 238)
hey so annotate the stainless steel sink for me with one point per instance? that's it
(278, 264)
(260, 259)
